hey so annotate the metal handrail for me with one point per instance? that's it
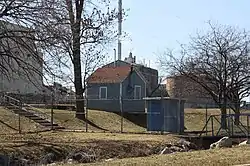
(37, 112)
(12, 98)
(227, 130)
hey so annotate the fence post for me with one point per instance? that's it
(121, 112)
(86, 115)
(121, 107)
(247, 126)
(206, 118)
(229, 124)
(164, 116)
(19, 118)
(52, 110)
(232, 124)
(5, 101)
(212, 123)
(179, 116)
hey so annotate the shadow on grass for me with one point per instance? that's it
(94, 125)
(8, 125)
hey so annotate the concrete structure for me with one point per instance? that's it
(20, 80)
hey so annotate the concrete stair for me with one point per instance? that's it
(42, 121)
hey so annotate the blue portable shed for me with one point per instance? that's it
(165, 114)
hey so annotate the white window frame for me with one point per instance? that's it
(137, 86)
(100, 90)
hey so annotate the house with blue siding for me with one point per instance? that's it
(121, 79)
(107, 84)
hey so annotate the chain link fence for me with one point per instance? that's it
(114, 115)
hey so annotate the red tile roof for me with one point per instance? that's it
(109, 74)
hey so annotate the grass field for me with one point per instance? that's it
(195, 120)
(105, 145)
(115, 144)
(101, 119)
(220, 157)
(9, 123)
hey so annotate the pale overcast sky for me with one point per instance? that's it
(155, 25)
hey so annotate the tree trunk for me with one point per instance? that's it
(80, 112)
(237, 114)
(224, 117)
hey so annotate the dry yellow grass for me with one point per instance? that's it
(81, 137)
(112, 121)
(9, 123)
(195, 120)
(220, 157)
(105, 120)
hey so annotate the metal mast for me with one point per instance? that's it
(119, 29)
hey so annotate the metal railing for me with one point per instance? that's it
(26, 107)
(17, 104)
(230, 129)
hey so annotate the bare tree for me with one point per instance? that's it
(218, 61)
(71, 34)
(88, 30)
(22, 27)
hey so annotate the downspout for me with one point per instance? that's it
(121, 106)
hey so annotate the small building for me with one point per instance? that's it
(107, 84)
(150, 75)
(61, 93)
(181, 86)
(165, 114)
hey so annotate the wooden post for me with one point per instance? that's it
(212, 123)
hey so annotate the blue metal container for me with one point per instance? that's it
(165, 114)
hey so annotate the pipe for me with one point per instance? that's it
(114, 57)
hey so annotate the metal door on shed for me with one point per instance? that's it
(174, 116)
(170, 116)
(154, 115)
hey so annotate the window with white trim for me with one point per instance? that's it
(137, 92)
(103, 94)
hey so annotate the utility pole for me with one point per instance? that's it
(119, 29)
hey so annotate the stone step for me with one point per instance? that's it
(49, 125)
(35, 118)
(31, 116)
(24, 113)
(40, 120)
(58, 127)
(46, 123)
